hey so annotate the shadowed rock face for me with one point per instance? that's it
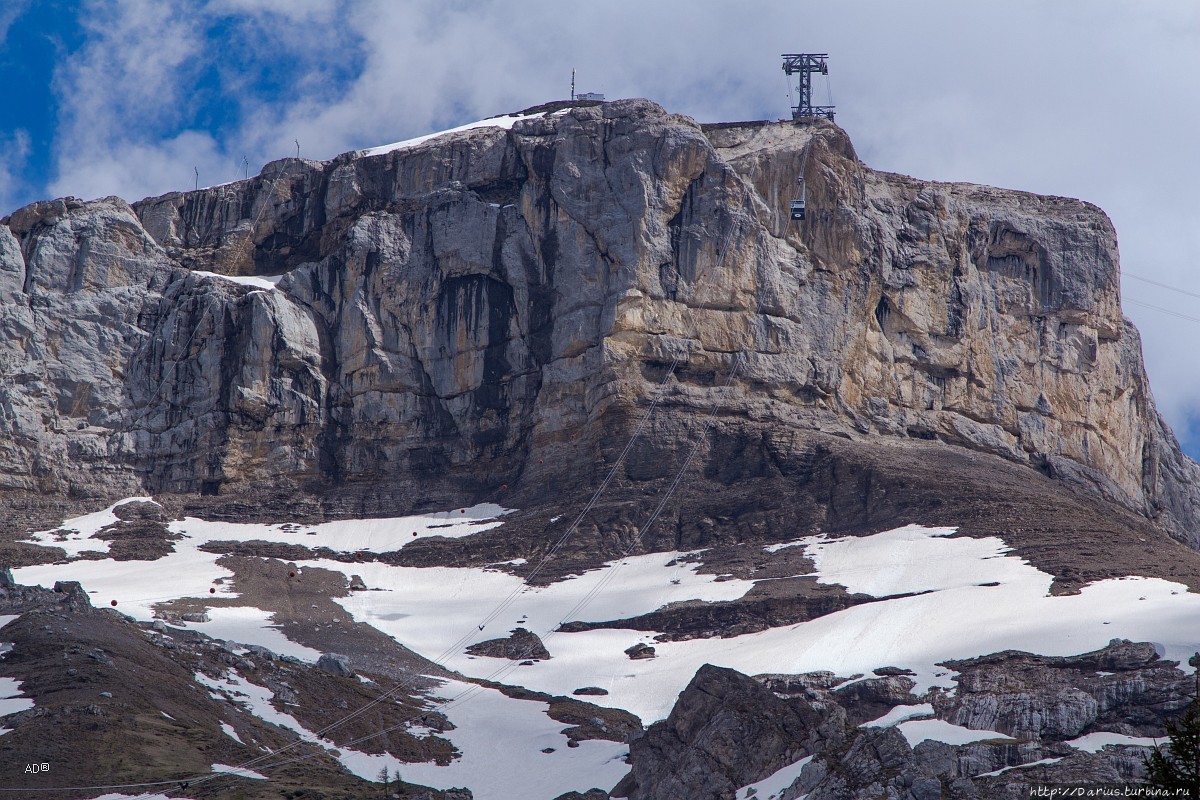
(495, 306)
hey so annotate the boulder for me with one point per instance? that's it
(335, 664)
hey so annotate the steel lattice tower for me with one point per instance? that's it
(806, 65)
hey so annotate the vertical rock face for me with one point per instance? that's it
(726, 731)
(452, 313)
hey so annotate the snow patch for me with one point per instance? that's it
(250, 625)
(1003, 770)
(917, 731)
(505, 122)
(773, 785)
(267, 282)
(73, 535)
(241, 772)
(11, 701)
(1093, 742)
(900, 714)
(228, 730)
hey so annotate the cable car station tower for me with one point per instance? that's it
(806, 65)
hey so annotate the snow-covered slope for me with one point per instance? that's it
(938, 597)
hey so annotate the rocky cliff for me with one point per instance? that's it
(498, 306)
(730, 731)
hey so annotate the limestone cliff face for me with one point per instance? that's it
(470, 307)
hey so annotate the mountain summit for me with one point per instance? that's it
(603, 314)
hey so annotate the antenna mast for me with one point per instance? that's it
(806, 65)
(572, 84)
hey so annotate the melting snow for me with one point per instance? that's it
(773, 785)
(1003, 770)
(189, 572)
(505, 122)
(10, 697)
(231, 733)
(239, 771)
(501, 741)
(73, 534)
(900, 714)
(268, 282)
(1093, 742)
(494, 732)
(941, 596)
(250, 625)
(918, 730)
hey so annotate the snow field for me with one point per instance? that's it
(942, 597)
(501, 742)
(189, 572)
(249, 625)
(493, 734)
(955, 616)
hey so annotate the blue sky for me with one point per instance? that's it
(1098, 99)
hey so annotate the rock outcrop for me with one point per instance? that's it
(498, 306)
(729, 731)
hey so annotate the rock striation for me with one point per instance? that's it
(498, 306)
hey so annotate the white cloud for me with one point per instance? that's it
(9, 13)
(306, 11)
(14, 151)
(1088, 98)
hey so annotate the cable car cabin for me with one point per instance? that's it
(798, 202)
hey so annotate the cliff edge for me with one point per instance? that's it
(499, 306)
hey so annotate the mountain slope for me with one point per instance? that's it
(561, 427)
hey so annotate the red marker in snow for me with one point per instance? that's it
(114, 602)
